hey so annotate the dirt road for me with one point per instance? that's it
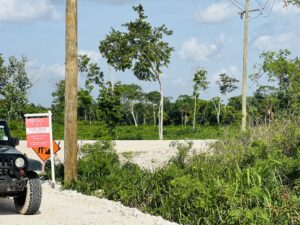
(71, 208)
(147, 154)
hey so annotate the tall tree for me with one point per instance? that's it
(70, 125)
(58, 103)
(93, 77)
(226, 84)
(85, 104)
(92, 71)
(14, 84)
(154, 98)
(141, 49)
(184, 105)
(131, 94)
(200, 83)
(109, 102)
(279, 68)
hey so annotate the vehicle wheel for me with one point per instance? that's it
(29, 201)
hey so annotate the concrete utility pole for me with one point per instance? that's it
(70, 126)
(245, 62)
(245, 15)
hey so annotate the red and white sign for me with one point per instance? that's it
(38, 132)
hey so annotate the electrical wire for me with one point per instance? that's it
(234, 4)
(211, 36)
(241, 4)
(270, 12)
(259, 3)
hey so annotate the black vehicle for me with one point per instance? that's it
(16, 180)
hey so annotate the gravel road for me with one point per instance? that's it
(147, 154)
(72, 208)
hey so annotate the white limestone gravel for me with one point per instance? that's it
(72, 208)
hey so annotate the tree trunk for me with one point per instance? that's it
(161, 110)
(203, 116)
(218, 109)
(194, 119)
(70, 125)
(186, 119)
(133, 115)
(219, 112)
(154, 115)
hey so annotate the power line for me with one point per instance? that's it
(258, 2)
(234, 3)
(241, 4)
(270, 12)
(211, 36)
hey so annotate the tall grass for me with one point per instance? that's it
(251, 178)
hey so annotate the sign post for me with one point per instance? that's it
(39, 134)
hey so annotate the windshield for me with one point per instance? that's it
(3, 136)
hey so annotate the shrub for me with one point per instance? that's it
(251, 178)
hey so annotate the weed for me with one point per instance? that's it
(251, 178)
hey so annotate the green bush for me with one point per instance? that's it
(251, 178)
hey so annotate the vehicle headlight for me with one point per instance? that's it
(20, 162)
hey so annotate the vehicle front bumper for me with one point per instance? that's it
(11, 186)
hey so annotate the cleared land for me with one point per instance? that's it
(147, 154)
(72, 208)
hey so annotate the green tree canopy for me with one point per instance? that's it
(140, 48)
(14, 84)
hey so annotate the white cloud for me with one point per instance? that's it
(56, 69)
(93, 55)
(231, 71)
(195, 51)
(268, 42)
(280, 8)
(216, 13)
(27, 10)
(51, 73)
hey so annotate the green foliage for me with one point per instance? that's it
(141, 48)
(295, 2)
(279, 68)
(109, 104)
(100, 131)
(200, 81)
(94, 75)
(251, 178)
(226, 83)
(14, 84)
(58, 103)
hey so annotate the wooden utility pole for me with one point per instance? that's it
(245, 62)
(70, 125)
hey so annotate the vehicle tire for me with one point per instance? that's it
(29, 201)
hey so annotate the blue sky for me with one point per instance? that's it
(207, 34)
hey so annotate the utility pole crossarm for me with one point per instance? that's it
(242, 13)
